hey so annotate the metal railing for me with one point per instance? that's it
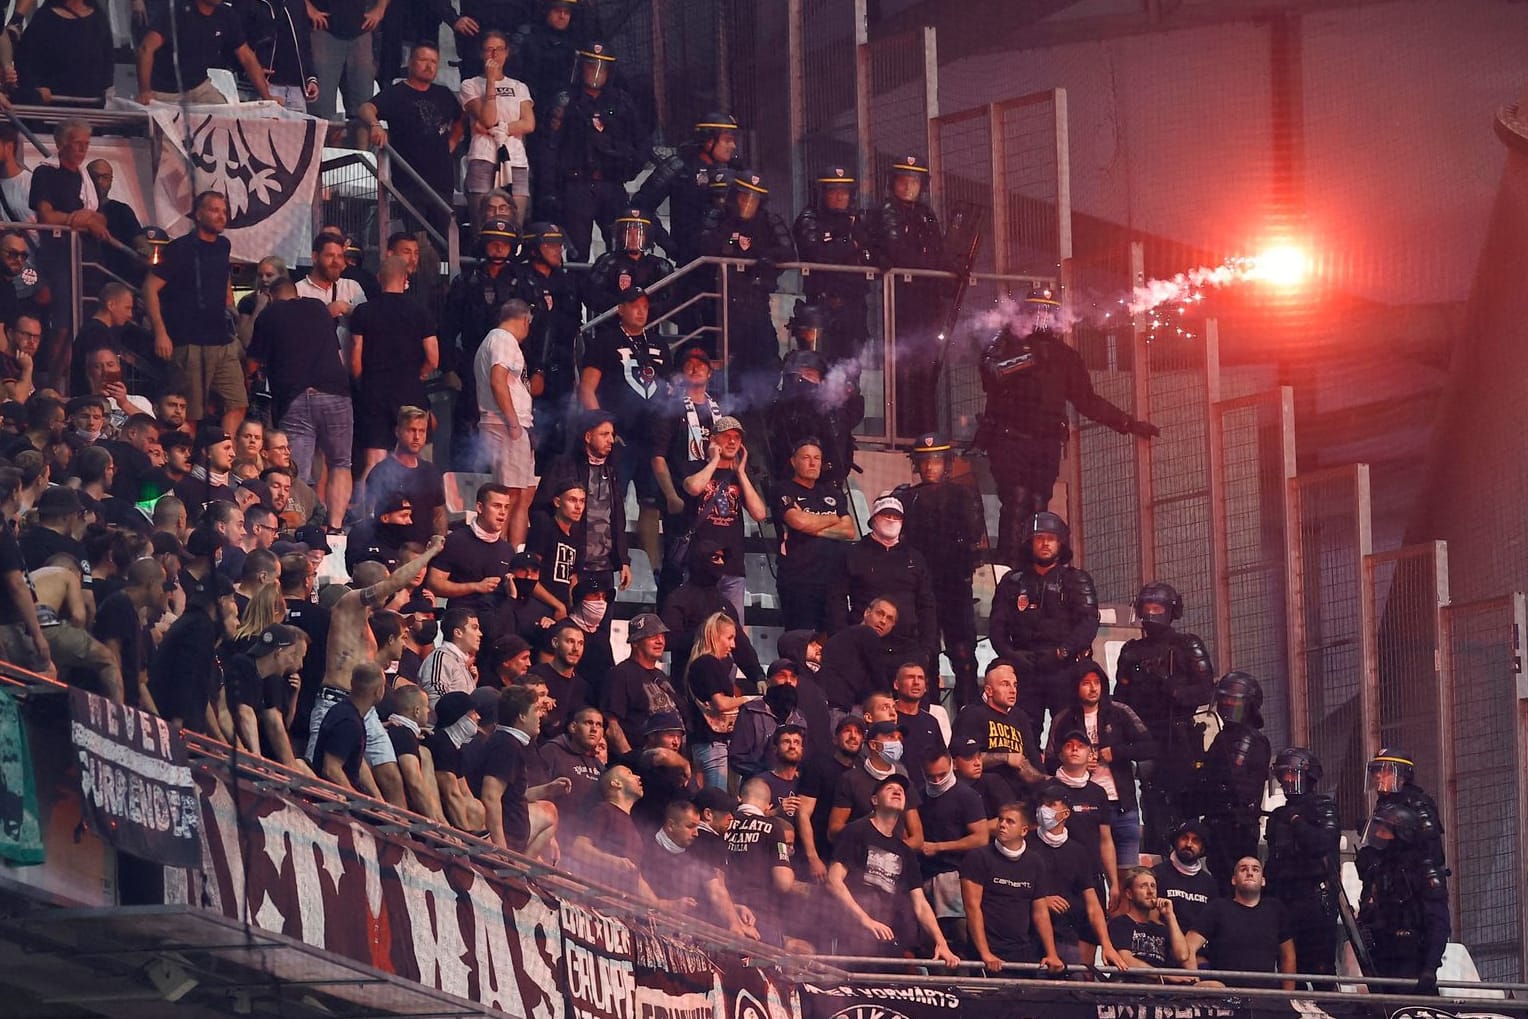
(880, 354)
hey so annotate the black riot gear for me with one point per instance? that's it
(711, 127)
(1165, 677)
(1230, 778)
(1392, 775)
(806, 325)
(632, 231)
(497, 230)
(552, 293)
(1239, 698)
(832, 231)
(1304, 836)
(745, 229)
(1050, 523)
(593, 66)
(1393, 762)
(1297, 770)
(747, 194)
(1402, 823)
(594, 133)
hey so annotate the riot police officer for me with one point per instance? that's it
(943, 520)
(595, 133)
(1044, 618)
(471, 310)
(905, 233)
(543, 51)
(1304, 836)
(1229, 785)
(807, 325)
(684, 181)
(1392, 775)
(1403, 910)
(744, 228)
(831, 230)
(814, 402)
(1165, 676)
(630, 262)
(552, 293)
(1029, 378)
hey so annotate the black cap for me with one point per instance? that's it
(930, 444)
(716, 799)
(895, 778)
(525, 561)
(880, 729)
(314, 537)
(663, 721)
(589, 420)
(781, 665)
(968, 747)
(485, 701)
(1073, 733)
(274, 638)
(261, 489)
(630, 294)
(858, 721)
(692, 352)
(451, 707)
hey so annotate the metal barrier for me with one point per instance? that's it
(1330, 673)
(1482, 645)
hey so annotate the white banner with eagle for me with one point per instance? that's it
(266, 160)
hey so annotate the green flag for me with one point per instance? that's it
(20, 831)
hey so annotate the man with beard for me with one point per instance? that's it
(563, 683)
(860, 658)
(1182, 876)
(814, 800)
(383, 536)
(404, 471)
(637, 689)
(682, 434)
(748, 750)
(1044, 617)
(1146, 934)
(788, 749)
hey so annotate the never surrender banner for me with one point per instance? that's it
(139, 796)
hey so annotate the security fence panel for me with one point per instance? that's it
(831, 129)
(901, 72)
(1330, 537)
(1252, 464)
(1032, 213)
(1182, 374)
(1107, 504)
(961, 165)
(1406, 590)
(1482, 644)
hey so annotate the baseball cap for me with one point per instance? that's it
(887, 503)
(727, 423)
(210, 436)
(273, 638)
(780, 665)
(485, 701)
(717, 799)
(261, 489)
(282, 548)
(858, 721)
(663, 721)
(1074, 733)
(630, 294)
(880, 729)
(525, 561)
(394, 502)
(693, 352)
(645, 625)
(968, 747)
(314, 537)
(418, 605)
(895, 778)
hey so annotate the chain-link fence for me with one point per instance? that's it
(899, 69)
(1252, 466)
(1327, 625)
(1107, 506)
(1483, 644)
(1032, 224)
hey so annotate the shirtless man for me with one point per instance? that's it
(351, 643)
(64, 614)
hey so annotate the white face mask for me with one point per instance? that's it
(589, 615)
(937, 789)
(892, 751)
(1050, 818)
(886, 528)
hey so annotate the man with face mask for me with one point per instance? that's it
(882, 565)
(1304, 837)
(418, 636)
(954, 824)
(1076, 909)
(1044, 617)
(748, 752)
(852, 799)
(1030, 375)
(382, 536)
(744, 228)
(456, 725)
(1182, 876)
(1165, 677)
(1229, 788)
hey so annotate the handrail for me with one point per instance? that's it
(211, 754)
(852, 964)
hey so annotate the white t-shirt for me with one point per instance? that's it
(501, 347)
(346, 290)
(511, 97)
(18, 192)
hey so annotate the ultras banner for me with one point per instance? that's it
(404, 908)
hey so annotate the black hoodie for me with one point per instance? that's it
(1119, 728)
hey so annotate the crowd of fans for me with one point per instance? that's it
(167, 548)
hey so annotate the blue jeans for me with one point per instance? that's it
(320, 420)
(1125, 826)
(711, 759)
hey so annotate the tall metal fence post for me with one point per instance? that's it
(999, 157)
(659, 36)
(930, 74)
(889, 352)
(1063, 178)
(1215, 460)
(862, 88)
(796, 91)
(384, 176)
(1140, 364)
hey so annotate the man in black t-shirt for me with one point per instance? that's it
(875, 878)
(759, 871)
(456, 725)
(1075, 897)
(206, 34)
(473, 565)
(497, 770)
(1009, 741)
(994, 789)
(420, 116)
(814, 799)
(405, 729)
(682, 431)
(338, 750)
(342, 49)
(393, 349)
(61, 196)
(404, 470)
(815, 528)
(563, 683)
(1089, 806)
(638, 688)
(555, 539)
(717, 496)
(954, 825)
(259, 685)
(1005, 887)
(187, 296)
(1146, 934)
(118, 625)
(1182, 876)
(21, 639)
(1247, 931)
